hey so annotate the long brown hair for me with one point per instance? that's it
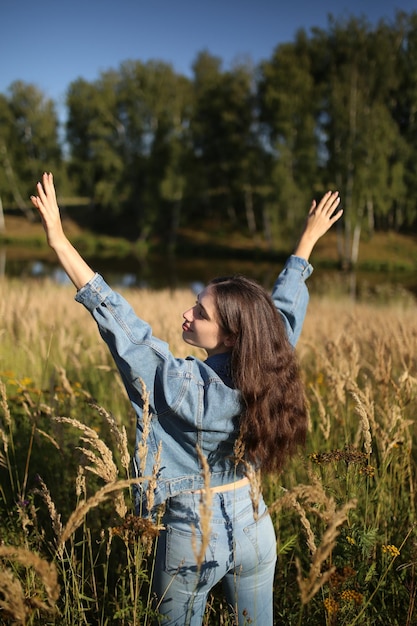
(265, 369)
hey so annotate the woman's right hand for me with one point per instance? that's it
(46, 204)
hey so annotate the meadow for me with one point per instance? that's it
(71, 550)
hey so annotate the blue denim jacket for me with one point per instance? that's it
(192, 402)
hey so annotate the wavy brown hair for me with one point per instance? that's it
(264, 368)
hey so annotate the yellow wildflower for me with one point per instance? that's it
(367, 470)
(25, 381)
(331, 606)
(350, 595)
(391, 550)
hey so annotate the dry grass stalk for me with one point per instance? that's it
(119, 435)
(360, 409)
(364, 397)
(78, 515)
(408, 383)
(332, 364)
(12, 599)
(310, 538)
(4, 405)
(239, 452)
(150, 490)
(142, 446)
(66, 385)
(53, 513)
(142, 451)
(325, 423)
(46, 409)
(390, 429)
(205, 514)
(5, 440)
(45, 571)
(255, 491)
(316, 578)
(48, 437)
(103, 465)
(313, 496)
(399, 429)
(80, 483)
(314, 502)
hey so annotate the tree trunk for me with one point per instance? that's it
(13, 184)
(355, 244)
(371, 215)
(2, 222)
(250, 215)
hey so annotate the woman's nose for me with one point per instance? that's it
(188, 314)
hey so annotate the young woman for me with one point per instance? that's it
(239, 411)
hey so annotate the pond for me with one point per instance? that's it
(194, 271)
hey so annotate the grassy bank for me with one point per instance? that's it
(389, 252)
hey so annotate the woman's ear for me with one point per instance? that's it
(230, 341)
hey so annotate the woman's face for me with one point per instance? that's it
(201, 328)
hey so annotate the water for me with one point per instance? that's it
(196, 271)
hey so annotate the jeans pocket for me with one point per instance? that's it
(261, 535)
(183, 553)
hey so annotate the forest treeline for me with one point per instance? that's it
(244, 148)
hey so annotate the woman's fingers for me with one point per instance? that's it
(329, 202)
(46, 198)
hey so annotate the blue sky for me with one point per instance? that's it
(52, 42)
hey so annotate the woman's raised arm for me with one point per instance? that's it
(45, 202)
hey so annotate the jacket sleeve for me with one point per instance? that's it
(137, 353)
(290, 295)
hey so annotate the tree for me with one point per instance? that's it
(361, 139)
(224, 140)
(125, 131)
(29, 141)
(289, 107)
(156, 104)
(96, 138)
(404, 110)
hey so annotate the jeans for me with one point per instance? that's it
(241, 552)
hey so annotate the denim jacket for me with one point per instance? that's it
(192, 402)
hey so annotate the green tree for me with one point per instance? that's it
(360, 138)
(404, 107)
(225, 142)
(156, 105)
(96, 138)
(126, 132)
(29, 141)
(289, 108)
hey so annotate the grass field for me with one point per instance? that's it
(71, 550)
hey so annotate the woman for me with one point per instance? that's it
(214, 422)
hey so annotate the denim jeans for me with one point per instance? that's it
(241, 553)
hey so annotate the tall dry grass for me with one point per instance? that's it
(344, 509)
